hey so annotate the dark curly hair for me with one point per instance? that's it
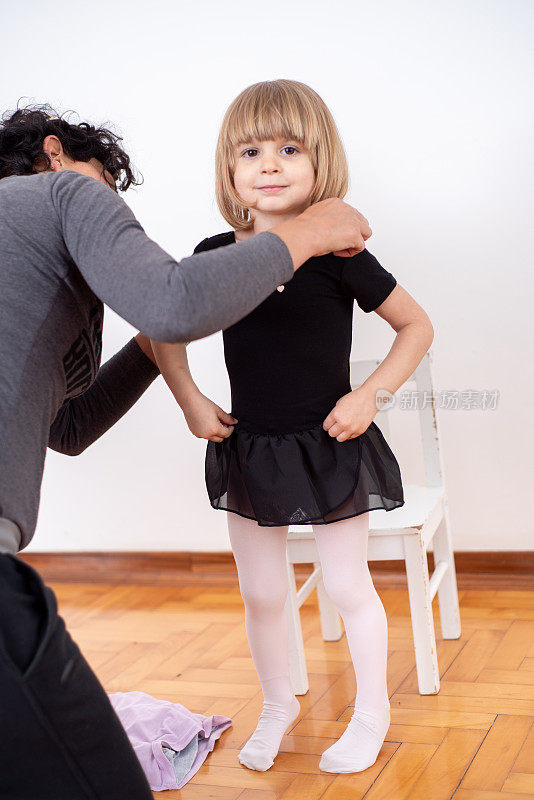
(23, 131)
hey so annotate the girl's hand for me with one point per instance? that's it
(351, 415)
(206, 420)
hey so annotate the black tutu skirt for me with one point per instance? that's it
(302, 477)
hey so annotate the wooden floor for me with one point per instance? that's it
(472, 741)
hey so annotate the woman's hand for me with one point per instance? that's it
(329, 226)
(351, 415)
(206, 420)
(341, 228)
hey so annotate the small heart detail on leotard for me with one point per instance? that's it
(281, 288)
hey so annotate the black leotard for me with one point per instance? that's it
(288, 364)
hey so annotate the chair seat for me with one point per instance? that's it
(419, 503)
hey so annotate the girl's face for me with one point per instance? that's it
(274, 178)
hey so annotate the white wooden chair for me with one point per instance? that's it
(404, 532)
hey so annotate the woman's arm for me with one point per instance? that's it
(119, 384)
(204, 418)
(176, 301)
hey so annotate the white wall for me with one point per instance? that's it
(433, 103)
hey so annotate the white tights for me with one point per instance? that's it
(260, 555)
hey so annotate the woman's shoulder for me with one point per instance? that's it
(211, 242)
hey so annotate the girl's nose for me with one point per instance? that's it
(269, 164)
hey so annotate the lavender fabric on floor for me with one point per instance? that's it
(156, 728)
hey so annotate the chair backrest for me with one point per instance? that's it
(424, 404)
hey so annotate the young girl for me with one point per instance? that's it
(300, 447)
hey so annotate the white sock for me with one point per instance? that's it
(262, 747)
(263, 584)
(359, 746)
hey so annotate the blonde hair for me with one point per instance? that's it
(279, 109)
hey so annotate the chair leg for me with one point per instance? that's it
(298, 672)
(330, 620)
(424, 637)
(449, 609)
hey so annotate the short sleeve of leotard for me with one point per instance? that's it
(363, 278)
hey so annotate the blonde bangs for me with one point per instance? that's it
(264, 111)
(282, 109)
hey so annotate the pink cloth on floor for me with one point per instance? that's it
(152, 724)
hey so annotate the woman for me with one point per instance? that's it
(68, 244)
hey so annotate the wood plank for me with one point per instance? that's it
(524, 762)
(479, 794)
(521, 783)
(307, 787)
(477, 650)
(513, 647)
(464, 705)
(189, 792)
(242, 777)
(493, 762)
(393, 775)
(516, 676)
(445, 770)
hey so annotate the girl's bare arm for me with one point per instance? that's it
(205, 419)
(174, 366)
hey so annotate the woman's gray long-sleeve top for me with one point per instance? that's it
(68, 244)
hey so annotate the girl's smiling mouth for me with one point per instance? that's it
(271, 189)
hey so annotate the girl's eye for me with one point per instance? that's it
(250, 152)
